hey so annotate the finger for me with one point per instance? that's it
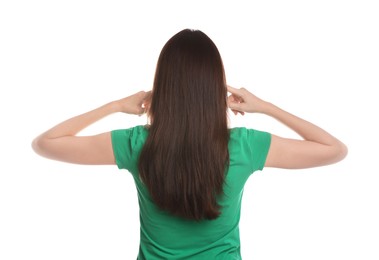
(236, 112)
(146, 106)
(235, 98)
(146, 94)
(235, 105)
(235, 91)
(143, 97)
(139, 111)
(231, 98)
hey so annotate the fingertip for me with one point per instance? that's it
(231, 89)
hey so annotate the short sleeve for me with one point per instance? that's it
(259, 144)
(127, 144)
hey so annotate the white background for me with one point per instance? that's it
(316, 59)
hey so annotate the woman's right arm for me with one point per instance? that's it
(317, 148)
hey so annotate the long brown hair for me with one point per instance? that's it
(185, 157)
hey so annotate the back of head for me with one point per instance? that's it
(184, 159)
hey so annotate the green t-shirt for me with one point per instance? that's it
(163, 236)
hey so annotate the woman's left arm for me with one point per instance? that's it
(61, 142)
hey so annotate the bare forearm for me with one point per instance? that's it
(74, 125)
(318, 147)
(62, 143)
(305, 129)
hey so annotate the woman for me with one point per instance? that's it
(188, 167)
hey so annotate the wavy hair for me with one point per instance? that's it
(185, 157)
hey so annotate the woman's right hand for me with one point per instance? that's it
(241, 101)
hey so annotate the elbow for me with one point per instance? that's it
(341, 152)
(345, 151)
(38, 145)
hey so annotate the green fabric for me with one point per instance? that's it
(164, 236)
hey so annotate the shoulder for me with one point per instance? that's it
(248, 139)
(132, 131)
(132, 136)
(246, 133)
(127, 143)
(250, 145)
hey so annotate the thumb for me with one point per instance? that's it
(140, 111)
(234, 105)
